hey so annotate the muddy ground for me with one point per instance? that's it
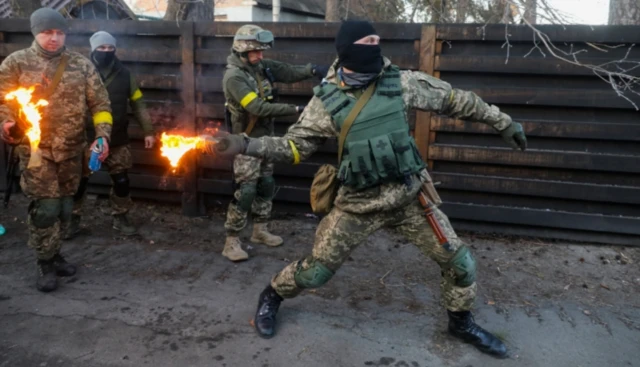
(167, 298)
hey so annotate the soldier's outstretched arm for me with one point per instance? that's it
(425, 92)
(244, 94)
(302, 139)
(287, 73)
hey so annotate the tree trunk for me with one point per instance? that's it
(531, 11)
(23, 8)
(462, 10)
(189, 11)
(624, 12)
(332, 13)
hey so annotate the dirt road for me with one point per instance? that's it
(168, 298)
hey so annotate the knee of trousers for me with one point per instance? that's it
(463, 267)
(45, 212)
(266, 187)
(246, 194)
(314, 275)
(121, 184)
(66, 208)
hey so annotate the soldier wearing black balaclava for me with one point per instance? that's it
(123, 91)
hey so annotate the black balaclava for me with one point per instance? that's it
(103, 58)
(359, 58)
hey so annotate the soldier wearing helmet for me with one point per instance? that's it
(251, 108)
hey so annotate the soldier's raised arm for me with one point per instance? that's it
(425, 92)
(287, 73)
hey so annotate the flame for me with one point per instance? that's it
(175, 146)
(30, 111)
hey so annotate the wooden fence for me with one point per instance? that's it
(579, 179)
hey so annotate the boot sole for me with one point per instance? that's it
(460, 338)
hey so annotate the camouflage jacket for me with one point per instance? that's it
(420, 91)
(79, 93)
(241, 91)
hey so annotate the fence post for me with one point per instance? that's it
(190, 202)
(427, 62)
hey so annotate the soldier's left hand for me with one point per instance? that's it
(320, 71)
(232, 145)
(105, 148)
(514, 136)
(149, 141)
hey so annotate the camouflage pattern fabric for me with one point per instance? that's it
(248, 45)
(49, 180)
(248, 169)
(340, 232)
(119, 160)
(80, 92)
(357, 214)
(420, 91)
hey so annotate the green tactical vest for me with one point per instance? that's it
(378, 148)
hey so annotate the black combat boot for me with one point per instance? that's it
(265, 320)
(63, 268)
(47, 280)
(463, 326)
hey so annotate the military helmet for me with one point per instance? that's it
(251, 37)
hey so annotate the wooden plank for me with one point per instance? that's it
(214, 85)
(543, 188)
(545, 232)
(540, 173)
(536, 158)
(211, 56)
(284, 193)
(543, 218)
(601, 98)
(190, 199)
(387, 31)
(519, 65)
(423, 118)
(148, 182)
(586, 130)
(522, 33)
(115, 27)
(125, 54)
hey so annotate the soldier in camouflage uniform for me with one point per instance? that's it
(249, 92)
(380, 173)
(51, 183)
(123, 90)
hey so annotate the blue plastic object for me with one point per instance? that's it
(94, 162)
(2, 230)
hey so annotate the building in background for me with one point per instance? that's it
(81, 9)
(242, 10)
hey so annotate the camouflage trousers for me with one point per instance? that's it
(339, 233)
(50, 180)
(118, 161)
(248, 171)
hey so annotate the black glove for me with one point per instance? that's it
(231, 145)
(320, 71)
(299, 109)
(514, 136)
